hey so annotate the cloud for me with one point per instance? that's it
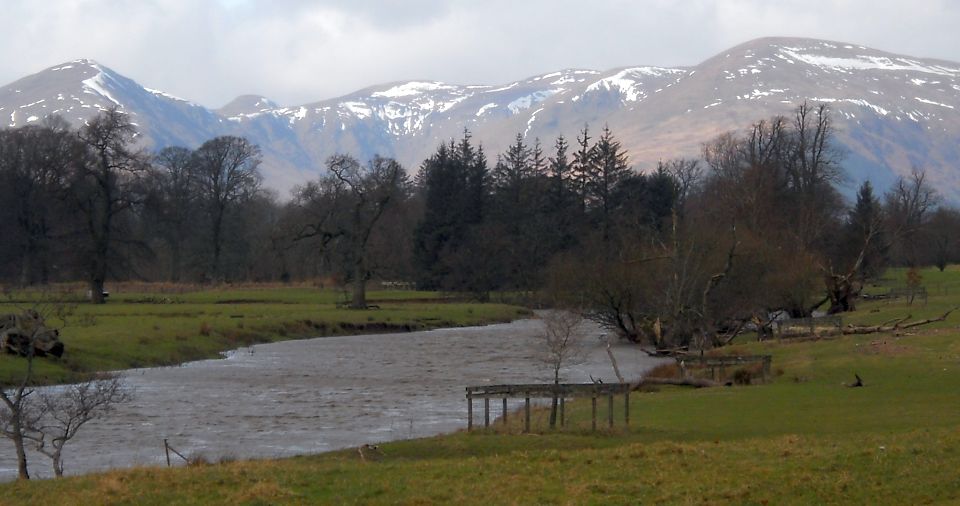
(295, 51)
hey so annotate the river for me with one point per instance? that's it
(314, 395)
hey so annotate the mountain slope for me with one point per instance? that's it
(892, 112)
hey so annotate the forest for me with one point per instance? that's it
(686, 254)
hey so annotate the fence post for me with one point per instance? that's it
(486, 411)
(469, 411)
(626, 408)
(504, 411)
(526, 415)
(166, 449)
(610, 410)
(562, 405)
(593, 418)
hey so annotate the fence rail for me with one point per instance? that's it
(793, 327)
(560, 392)
(719, 363)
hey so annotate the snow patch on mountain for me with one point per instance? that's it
(527, 101)
(96, 85)
(866, 62)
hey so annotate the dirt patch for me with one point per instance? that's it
(889, 347)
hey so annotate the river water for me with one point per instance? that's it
(315, 395)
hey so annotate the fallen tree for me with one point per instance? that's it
(893, 325)
(685, 382)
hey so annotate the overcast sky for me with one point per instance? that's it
(298, 51)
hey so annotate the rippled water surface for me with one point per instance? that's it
(313, 395)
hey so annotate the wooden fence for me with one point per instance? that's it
(794, 327)
(548, 391)
(718, 364)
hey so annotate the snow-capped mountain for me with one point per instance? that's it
(892, 112)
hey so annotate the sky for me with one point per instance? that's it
(301, 51)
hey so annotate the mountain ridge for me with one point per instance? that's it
(892, 111)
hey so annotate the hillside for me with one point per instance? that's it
(892, 112)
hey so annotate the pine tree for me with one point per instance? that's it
(609, 168)
(865, 220)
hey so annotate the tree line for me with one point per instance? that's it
(755, 224)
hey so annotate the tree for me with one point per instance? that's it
(454, 184)
(106, 186)
(347, 206)
(609, 169)
(227, 175)
(62, 412)
(907, 208)
(34, 168)
(563, 345)
(172, 203)
(942, 237)
(18, 415)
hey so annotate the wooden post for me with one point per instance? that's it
(166, 449)
(526, 414)
(486, 411)
(593, 418)
(469, 411)
(626, 408)
(504, 410)
(610, 410)
(563, 402)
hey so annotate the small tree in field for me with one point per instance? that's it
(563, 345)
(62, 411)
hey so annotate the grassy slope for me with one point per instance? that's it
(148, 329)
(806, 438)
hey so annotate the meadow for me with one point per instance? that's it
(806, 437)
(146, 325)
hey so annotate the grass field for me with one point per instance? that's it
(804, 438)
(152, 327)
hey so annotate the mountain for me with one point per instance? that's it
(892, 112)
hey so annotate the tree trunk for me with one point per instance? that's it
(359, 286)
(57, 463)
(553, 404)
(96, 291)
(22, 472)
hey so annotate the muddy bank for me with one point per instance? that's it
(315, 395)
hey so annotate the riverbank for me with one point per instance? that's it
(164, 326)
(805, 438)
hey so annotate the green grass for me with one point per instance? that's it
(140, 329)
(804, 438)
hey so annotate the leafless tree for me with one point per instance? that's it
(18, 415)
(105, 187)
(908, 207)
(226, 172)
(61, 411)
(562, 345)
(344, 208)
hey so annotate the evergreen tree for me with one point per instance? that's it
(454, 186)
(865, 222)
(608, 169)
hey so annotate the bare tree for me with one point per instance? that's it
(563, 345)
(908, 207)
(17, 414)
(105, 188)
(344, 209)
(226, 175)
(62, 411)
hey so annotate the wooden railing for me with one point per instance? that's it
(560, 392)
